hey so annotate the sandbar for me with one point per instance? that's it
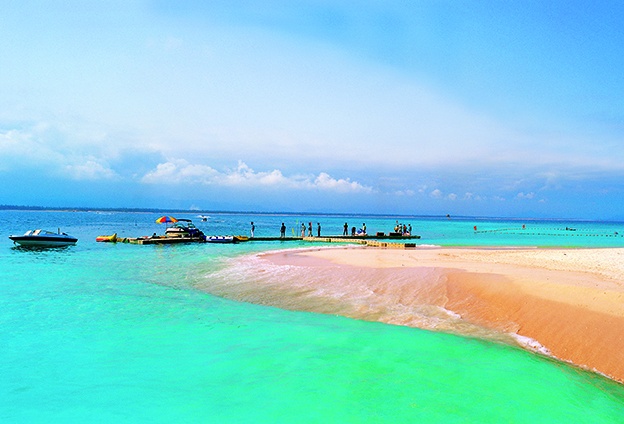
(571, 301)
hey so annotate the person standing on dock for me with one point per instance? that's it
(302, 230)
(346, 230)
(364, 228)
(283, 231)
(318, 229)
(310, 229)
(253, 227)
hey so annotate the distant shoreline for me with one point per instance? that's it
(281, 213)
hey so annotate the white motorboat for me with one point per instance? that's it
(184, 228)
(44, 238)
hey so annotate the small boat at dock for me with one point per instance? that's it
(221, 239)
(43, 238)
(184, 228)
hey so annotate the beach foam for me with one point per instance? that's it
(295, 281)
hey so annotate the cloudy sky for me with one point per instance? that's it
(489, 108)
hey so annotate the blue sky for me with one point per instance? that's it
(489, 108)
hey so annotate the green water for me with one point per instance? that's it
(119, 333)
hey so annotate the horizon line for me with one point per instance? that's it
(5, 207)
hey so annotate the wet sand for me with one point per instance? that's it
(571, 301)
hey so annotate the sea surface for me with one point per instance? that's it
(103, 333)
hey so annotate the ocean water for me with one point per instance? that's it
(102, 332)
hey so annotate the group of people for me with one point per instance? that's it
(404, 230)
(303, 229)
(361, 231)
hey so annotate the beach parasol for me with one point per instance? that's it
(166, 219)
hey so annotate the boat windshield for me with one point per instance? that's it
(187, 225)
(38, 233)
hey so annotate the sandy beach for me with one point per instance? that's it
(571, 301)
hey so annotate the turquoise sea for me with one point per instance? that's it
(122, 333)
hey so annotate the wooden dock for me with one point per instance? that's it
(158, 240)
(275, 239)
(323, 238)
(387, 241)
(368, 240)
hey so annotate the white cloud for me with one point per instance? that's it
(18, 147)
(521, 195)
(90, 170)
(471, 196)
(181, 171)
(36, 148)
(436, 194)
(243, 175)
(452, 196)
(325, 182)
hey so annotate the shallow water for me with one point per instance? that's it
(122, 333)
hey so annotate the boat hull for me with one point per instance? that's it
(220, 239)
(44, 240)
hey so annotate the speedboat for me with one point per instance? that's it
(184, 228)
(44, 238)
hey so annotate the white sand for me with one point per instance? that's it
(570, 300)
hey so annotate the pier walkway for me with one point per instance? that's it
(392, 241)
(351, 239)
(366, 241)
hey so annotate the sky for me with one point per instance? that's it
(471, 108)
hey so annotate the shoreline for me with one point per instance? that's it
(569, 301)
